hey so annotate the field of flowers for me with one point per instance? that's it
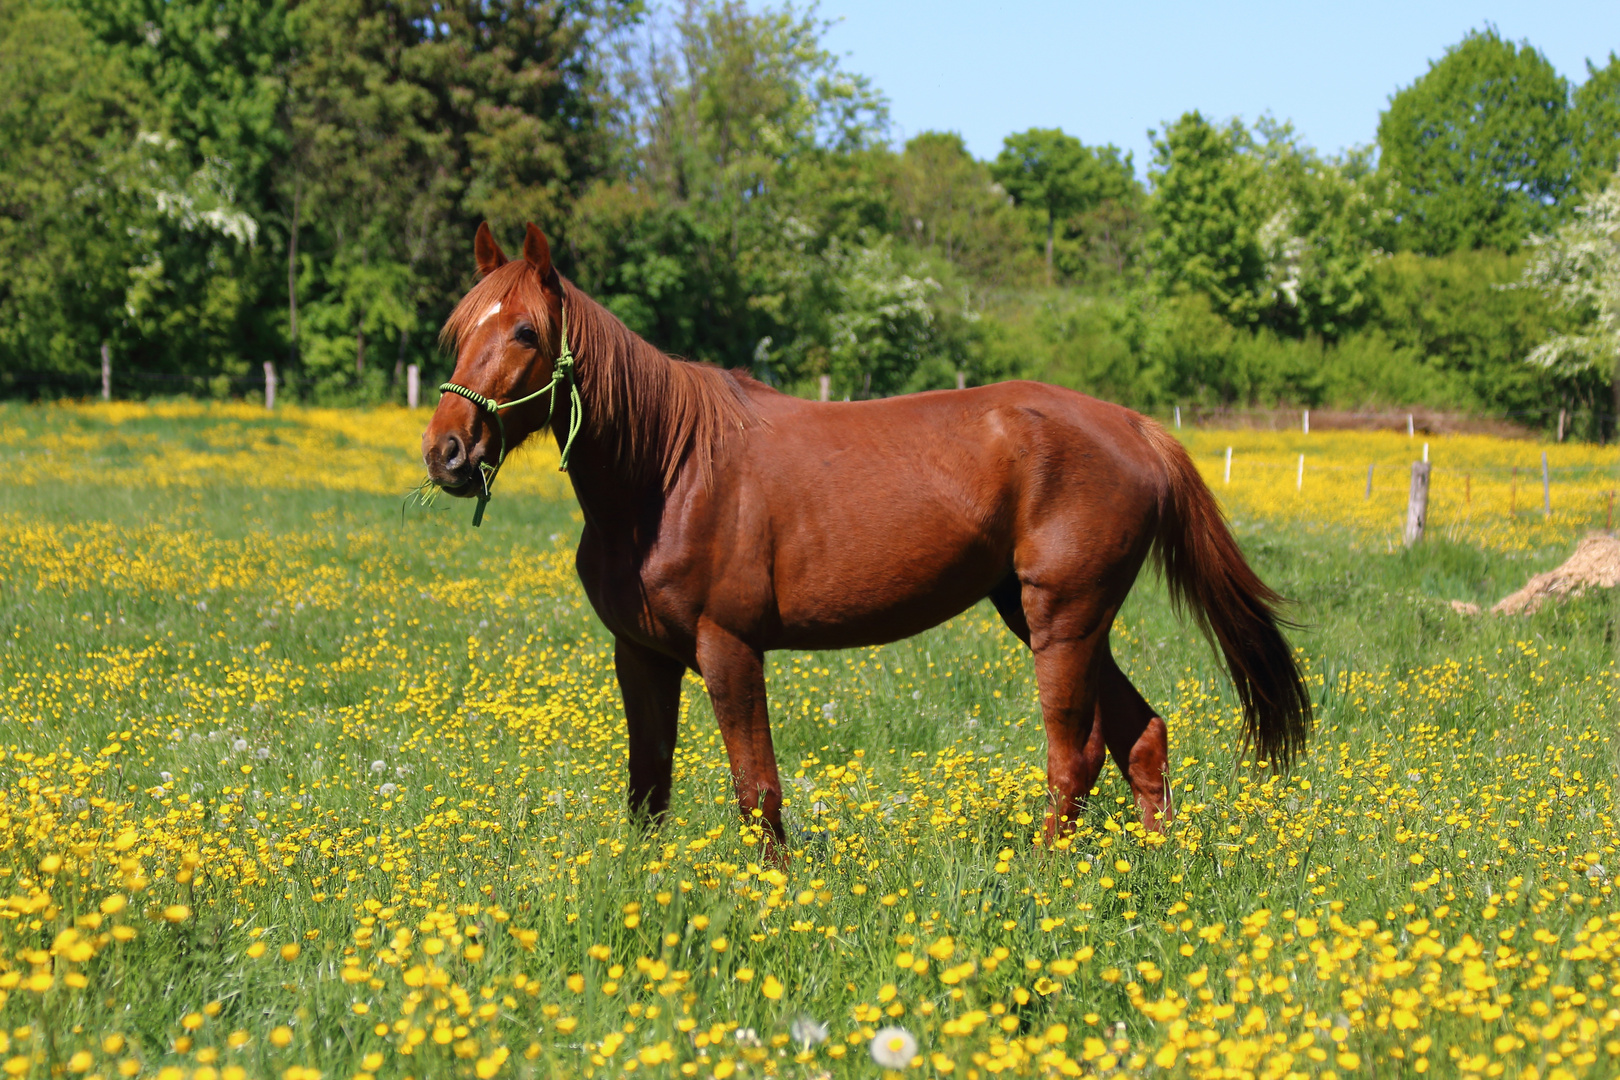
(296, 784)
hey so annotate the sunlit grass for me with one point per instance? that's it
(292, 784)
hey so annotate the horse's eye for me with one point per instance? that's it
(527, 337)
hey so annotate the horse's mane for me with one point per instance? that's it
(653, 411)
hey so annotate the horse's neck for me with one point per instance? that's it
(615, 492)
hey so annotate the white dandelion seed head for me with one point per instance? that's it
(747, 1037)
(167, 776)
(916, 695)
(894, 1047)
(262, 753)
(807, 1032)
(388, 790)
(828, 710)
(378, 766)
(239, 745)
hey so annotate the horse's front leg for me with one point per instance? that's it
(651, 685)
(734, 672)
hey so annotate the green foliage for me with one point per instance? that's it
(1266, 230)
(205, 187)
(1060, 178)
(1207, 216)
(1597, 122)
(1480, 148)
(1579, 268)
(1465, 317)
(949, 205)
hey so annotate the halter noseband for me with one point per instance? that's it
(562, 372)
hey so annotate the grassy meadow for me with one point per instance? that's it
(294, 784)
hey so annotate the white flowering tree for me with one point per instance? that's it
(1580, 266)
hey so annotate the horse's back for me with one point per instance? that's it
(883, 517)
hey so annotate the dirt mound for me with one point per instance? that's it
(1596, 562)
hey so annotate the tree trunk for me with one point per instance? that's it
(1615, 386)
(292, 278)
(1051, 228)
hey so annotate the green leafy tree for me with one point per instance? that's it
(1480, 149)
(1208, 209)
(1596, 117)
(70, 132)
(747, 153)
(211, 73)
(1058, 176)
(949, 204)
(881, 325)
(1324, 221)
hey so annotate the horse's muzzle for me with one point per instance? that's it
(451, 464)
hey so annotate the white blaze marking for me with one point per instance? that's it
(494, 309)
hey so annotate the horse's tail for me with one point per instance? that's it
(1207, 574)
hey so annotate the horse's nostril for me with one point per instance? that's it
(452, 452)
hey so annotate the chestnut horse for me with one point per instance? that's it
(724, 519)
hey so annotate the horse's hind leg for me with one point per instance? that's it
(650, 683)
(1074, 745)
(1065, 658)
(1136, 738)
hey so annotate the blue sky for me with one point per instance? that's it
(1109, 72)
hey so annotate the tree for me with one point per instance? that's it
(1324, 220)
(1580, 267)
(1208, 208)
(948, 203)
(1058, 176)
(1480, 149)
(747, 153)
(1596, 117)
(70, 132)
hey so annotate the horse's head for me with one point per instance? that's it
(506, 336)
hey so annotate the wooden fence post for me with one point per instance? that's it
(1307, 422)
(1227, 479)
(106, 372)
(1560, 425)
(1178, 417)
(269, 385)
(1299, 481)
(826, 387)
(961, 380)
(1417, 503)
(413, 385)
(1409, 425)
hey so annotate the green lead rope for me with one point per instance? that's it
(562, 372)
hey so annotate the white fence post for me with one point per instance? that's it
(413, 385)
(1228, 478)
(106, 372)
(269, 385)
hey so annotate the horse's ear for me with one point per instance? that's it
(488, 253)
(537, 251)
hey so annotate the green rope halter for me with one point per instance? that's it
(562, 372)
